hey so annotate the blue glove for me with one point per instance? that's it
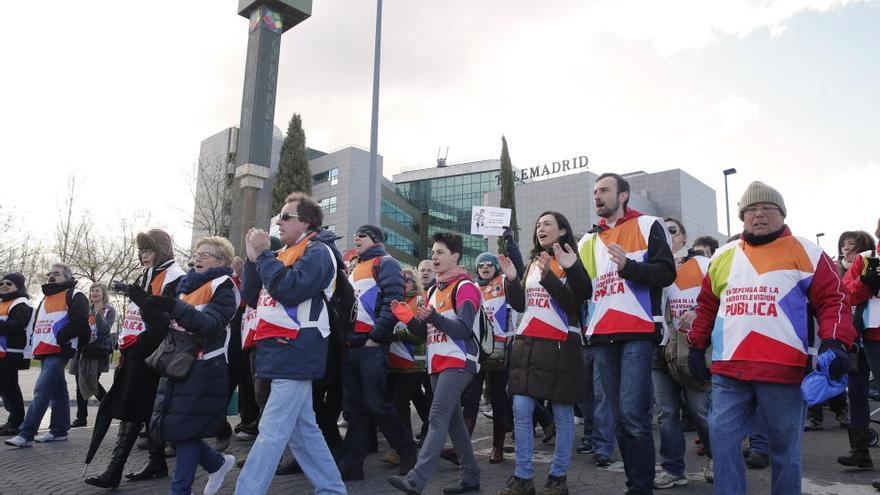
(840, 365)
(697, 364)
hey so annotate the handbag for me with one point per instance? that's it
(169, 361)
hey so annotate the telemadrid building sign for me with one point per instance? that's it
(551, 169)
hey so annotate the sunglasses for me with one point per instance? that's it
(287, 216)
(6, 283)
(360, 235)
(485, 265)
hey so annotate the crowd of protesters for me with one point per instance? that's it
(629, 323)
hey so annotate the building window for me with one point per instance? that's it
(328, 204)
(331, 176)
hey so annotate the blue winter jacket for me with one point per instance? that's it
(390, 281)
(305, 357)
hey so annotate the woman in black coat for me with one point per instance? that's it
(546, 361)
(194, 407)
(130, 398)
(15, 314)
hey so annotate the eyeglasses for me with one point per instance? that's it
(287, 216)
(202, 255)
(360, 235)
(6, 283)
(142, 252)
(487, 264)
(761, 209)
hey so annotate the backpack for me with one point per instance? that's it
(486, 338)
(342, 306)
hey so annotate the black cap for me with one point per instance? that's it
(374, 233)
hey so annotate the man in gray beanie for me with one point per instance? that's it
(753, 306)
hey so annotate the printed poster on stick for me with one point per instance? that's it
(489, 220)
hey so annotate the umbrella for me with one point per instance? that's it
(103, 418)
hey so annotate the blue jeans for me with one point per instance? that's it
(672, 446)
(859, 408)
(51, 387)
(190, 455)
(628, 387)
(758, 434)
(364, 397)
(289, 419)
(563, 417)
(598, 417)
(735, 404)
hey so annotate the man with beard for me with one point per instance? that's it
(628, 258)
(62, 319)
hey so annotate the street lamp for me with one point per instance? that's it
(820, 234)
(372, 205)
(729, 171)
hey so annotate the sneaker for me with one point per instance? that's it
(8, 430)
(585, 448)
(79, 423)
(244, 436)
(215, 479)
(342, 423)
(601, 460)
(578, 420)
(49, 437)
(811, 424)
(665, 479)
(488, 413)
(403, 484)
(709, 472)
(556, 485)
(19, 441)
(757, 460)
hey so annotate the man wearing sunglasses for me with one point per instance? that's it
(753, 306)
(62, 319)
(377, 280)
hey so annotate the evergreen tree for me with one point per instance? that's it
(508, 196)
(293, 168)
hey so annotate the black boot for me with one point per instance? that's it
(155, 468)
(128, 433)
(859, 457)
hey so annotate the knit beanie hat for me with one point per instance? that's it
(758, 192)
(374, 233)
(159, 241)
(17, 279)
(487, 256)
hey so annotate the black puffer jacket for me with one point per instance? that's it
(14, 328)
(196, 406)
(550, 369)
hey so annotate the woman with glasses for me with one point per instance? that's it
(194, 407)
(93, 358)
(406, 363)
(130, 398)
(546, 361)
(15, 315)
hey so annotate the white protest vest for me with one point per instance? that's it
(682, 294)
(497, 311)
(50, 319)
(543, 318)
(248, 328)
(200, 298)
(5, 309)
(444, 352)
(133, 324)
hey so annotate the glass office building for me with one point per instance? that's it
(445, 196)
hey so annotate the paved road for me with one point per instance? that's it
(55, 468)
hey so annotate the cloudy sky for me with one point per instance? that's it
(121, 93)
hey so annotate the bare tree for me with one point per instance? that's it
(92, 253)
(210, 185)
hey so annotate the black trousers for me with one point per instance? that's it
(82, 404)
(10, 391)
